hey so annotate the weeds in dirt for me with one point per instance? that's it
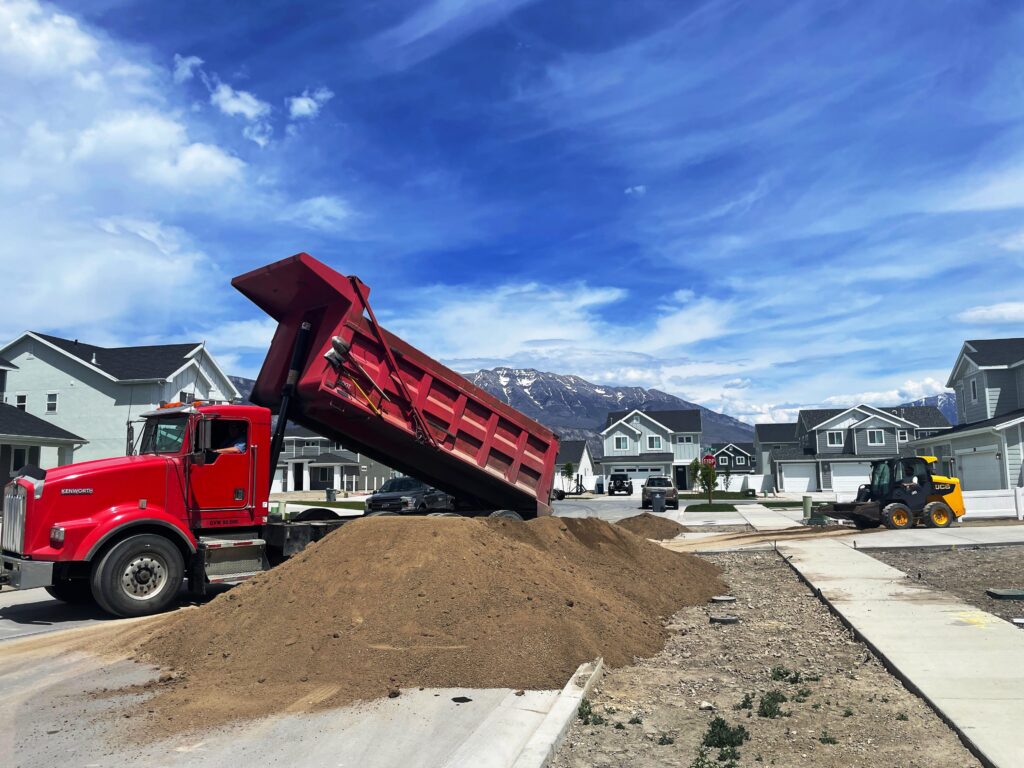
(795, 678)
(610, 710)
(827, 738)
(620, 727)
(847, 712)
(702, 760)
(769, 706)
(720, 734)
(588, 716)
(746, 703)
(780, 673)
(664, 740)
(635, 720)
(815, 705)
(902, 717)
(802, 695)
(812, 678)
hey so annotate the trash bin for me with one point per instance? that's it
(657, 502)
(599, 485)
(332, 495)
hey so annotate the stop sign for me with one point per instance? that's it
(709, 460)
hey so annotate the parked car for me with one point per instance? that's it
(619, 482)
(407, 494)
(664, 484)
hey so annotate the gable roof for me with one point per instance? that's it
(1006, 419)
(675, 420)
(928, 416)
(747, 448)
(14, 421)
(7, 365)
(775, 433)
(570, 450)
(995, 351)
(126, 363)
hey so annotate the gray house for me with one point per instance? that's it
(835, 446)
(312, 462)
(734, 458)
(985, 449)
(644, 443)
(769, 437)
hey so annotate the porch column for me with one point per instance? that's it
(338, 469)
(305, 475)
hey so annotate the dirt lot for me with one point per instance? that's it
(842, 708)
(967, 573)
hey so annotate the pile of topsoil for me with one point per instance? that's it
(384, 604)
(652, 527)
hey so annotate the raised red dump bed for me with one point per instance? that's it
(376, 394)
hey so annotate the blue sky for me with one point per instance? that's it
(756, 206)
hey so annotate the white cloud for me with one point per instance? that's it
(638, 191)
(185, 67)
(249, 335)
(308, 105)
(232, 102)
(1006, 312)
(910, 390)
(323, 212)
(37, 40)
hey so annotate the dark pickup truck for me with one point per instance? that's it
(407, 494)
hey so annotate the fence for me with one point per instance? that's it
(1003, 503)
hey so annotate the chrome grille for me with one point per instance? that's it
(12, 533)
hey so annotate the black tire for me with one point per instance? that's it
(676, 505)
(611, 493)
(444, 514)
(864, 525)
(559, 495)
(381, 513)
(138, 576)
(645, 504)
(937, 514)
(898, 517)
(315, 514)
(72, 591)
(506, 514)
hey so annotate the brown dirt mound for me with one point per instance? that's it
(383, 604)
(652, 527)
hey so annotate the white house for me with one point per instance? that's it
(643, 443)
(985, 450)
(312, 462)
(577, 453)
(93, 392)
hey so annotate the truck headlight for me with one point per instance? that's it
(408, 502)
(56, 537)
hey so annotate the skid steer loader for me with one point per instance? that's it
(903, 492)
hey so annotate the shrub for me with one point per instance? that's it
(769, 704)
(721, 735)
(827, 738)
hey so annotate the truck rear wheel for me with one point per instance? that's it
(138, 576)
(507, 514)
(938, 515)
(72, 592)
(898, 516)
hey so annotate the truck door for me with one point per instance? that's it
(222, 488)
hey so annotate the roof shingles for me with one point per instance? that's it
(676, 421)
(126, 363)
(14, 421)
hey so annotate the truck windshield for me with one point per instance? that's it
(163, 435)
(881, 480)
(400, 484)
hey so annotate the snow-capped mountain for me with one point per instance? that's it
(244, 386)
(577, 408)
(944, 401)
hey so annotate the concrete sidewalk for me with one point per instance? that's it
(762, 518)
(965, 662)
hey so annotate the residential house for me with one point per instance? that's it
(734, 458)
(835, 446)
(577, 453)
(311, 462)
(94, 391)
(26, 439)
(985, 449)
(769, 437)
(643, 443)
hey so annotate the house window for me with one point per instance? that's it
(21, 401)
(876, 437)
(337, 446)
(684, 438)
(51, 402)
(653, 443)
(723, 461)
(310, 444)
(974, 390)
(902, 435)
(326, 474)
(621, 443)
(834, 439)
(741, 461)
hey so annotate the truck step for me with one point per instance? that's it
(229, 560)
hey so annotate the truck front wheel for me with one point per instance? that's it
(138, 576)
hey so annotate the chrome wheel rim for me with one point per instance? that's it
(144, 576)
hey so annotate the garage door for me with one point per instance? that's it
(848, 476)
(979, 471)
(797, 478)
(639, 473)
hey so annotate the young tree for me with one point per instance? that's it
(726, 478)
(568, 470)
(704, 477)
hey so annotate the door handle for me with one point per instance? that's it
(239, 494)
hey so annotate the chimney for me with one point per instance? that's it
(94, 362)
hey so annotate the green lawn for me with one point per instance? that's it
(710, 507)
(718, 495)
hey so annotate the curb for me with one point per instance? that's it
(545, 741)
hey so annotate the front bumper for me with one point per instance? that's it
(19, 573)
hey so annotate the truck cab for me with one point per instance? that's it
(127, 531)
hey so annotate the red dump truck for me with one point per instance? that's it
(192, 505)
